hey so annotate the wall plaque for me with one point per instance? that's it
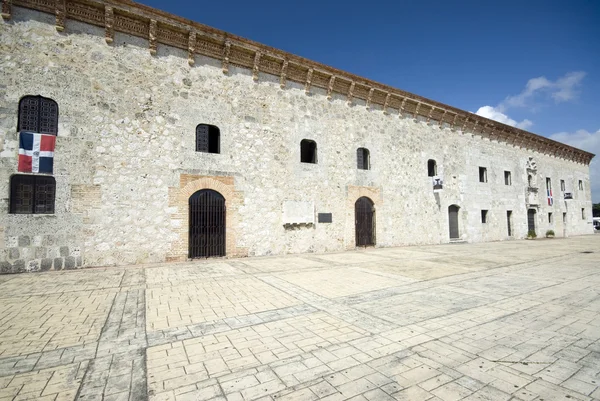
(325, 218)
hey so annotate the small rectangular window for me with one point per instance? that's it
(548, 185)
(308, 151)
(362, 158)
(580, 185)
(583, 213)
(550, 218)
(482, 174)
(431, 168)
(484, 216)
(507, 178)
(562, 185)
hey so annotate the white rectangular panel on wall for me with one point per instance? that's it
(298, 212)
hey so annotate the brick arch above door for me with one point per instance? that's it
(179, 199)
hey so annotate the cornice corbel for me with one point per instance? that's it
(6, 9)
(430, 114)
(453, 125)
(308, 81)
(330, 87)
(226, 52)
(152, 33)
(282, 77)
(350, 94)
(255, 68)
(109, 22)
(191, 48)
(370, 98)
(401, 108)
(464, 126)
(441, 122)
(386, 102)
(61, 13)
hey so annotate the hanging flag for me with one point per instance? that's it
(550, 199)
(36, 152)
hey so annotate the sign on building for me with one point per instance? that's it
(438, 183)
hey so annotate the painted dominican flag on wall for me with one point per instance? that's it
(550, 199)
(36, 152)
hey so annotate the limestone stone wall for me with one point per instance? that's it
(125, 160)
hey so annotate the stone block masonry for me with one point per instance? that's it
(126, 162)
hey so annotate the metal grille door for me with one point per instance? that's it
(453, 221)
(531, 220)
(207, 224)
(365, 222)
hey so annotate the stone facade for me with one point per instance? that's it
(125, 160)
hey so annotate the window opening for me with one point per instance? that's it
(38, 114)
(308, 151)
(208, 139)
(32, 194)
(484, 216)
(362, 159)
(482, 174)
(431, 168)
(507, 178)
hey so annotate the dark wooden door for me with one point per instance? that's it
(453, 221)
(508, 219)
(364, 212)
(531, 220)
(207, 224)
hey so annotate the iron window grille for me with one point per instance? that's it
(38, 114)
(363, 159)
(32, 194)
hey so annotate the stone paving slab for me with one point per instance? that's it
(517, 320)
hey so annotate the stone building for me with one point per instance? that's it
(177, 140)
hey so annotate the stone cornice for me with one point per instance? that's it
(159, 27)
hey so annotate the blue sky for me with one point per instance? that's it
(534, 64)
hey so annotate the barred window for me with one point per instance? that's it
(32, 194)
(208, 139)
(362, 159)
(38, 114)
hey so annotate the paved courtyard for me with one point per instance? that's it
(516, 320)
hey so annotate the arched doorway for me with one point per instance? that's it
(364, 213)
(207, 224)
(453, 221)
(531, 220)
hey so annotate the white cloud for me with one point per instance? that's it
(589, 141)
(536, 92)
(541, 88)
(494, 114)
